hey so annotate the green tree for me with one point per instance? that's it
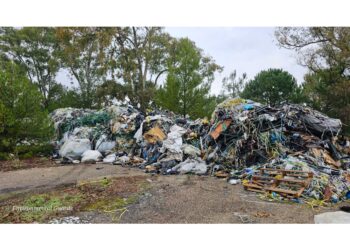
(82, 52)
(138, 57)
(328, 91)
(271, 86)
(21, 113)
(34, 49)
(188, 82)
(63, 97)
(109, 90)
(233, 85)
(325, 51)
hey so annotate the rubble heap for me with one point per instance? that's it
(289, 151)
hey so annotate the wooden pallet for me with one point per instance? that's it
(272, 180)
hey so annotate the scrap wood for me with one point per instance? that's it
(272, 180)
(154, 134)
(320, 153)
(262, 214)
(329, 160)
(284, 172)
(220, 128)
(297, 153)
(221, 174)
(263, 183)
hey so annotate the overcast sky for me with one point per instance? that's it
(247, 50)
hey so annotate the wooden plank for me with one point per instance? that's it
(284, 170)
(279, 190)
(303, 182)
(222, 126)
(293, 173)
(284, 192)
(266, 182)
(256, 190)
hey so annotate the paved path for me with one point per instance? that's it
(29, 179)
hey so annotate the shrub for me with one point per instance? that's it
(28, 151)
(21, 113)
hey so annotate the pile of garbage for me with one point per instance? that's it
(288, 151)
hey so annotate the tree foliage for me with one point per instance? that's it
(271, 86)
(138, 59)
(111, 90)
(21, 113)
(63, 97)
(188, 82)
(34, 49)
(106, 64)
(233, 85)
(82, 52)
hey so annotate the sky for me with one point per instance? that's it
(247, 50)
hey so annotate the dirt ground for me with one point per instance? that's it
(195, 199)
(49, 177)
(181, 199)
(35, 162)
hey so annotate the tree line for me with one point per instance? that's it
(148, 65)
(104, 62)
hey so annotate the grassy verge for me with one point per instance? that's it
(109, 196)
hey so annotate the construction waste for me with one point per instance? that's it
(285, 152)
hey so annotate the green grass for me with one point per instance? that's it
(40, 207)
(101, 196)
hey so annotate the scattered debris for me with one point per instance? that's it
(196, 166)
(234, 181)
(244, 217)
(91, 156)
(110, 158)
(262, 214)
(68, 220)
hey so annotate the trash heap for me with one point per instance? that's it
(288, 151)
(85, 135)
